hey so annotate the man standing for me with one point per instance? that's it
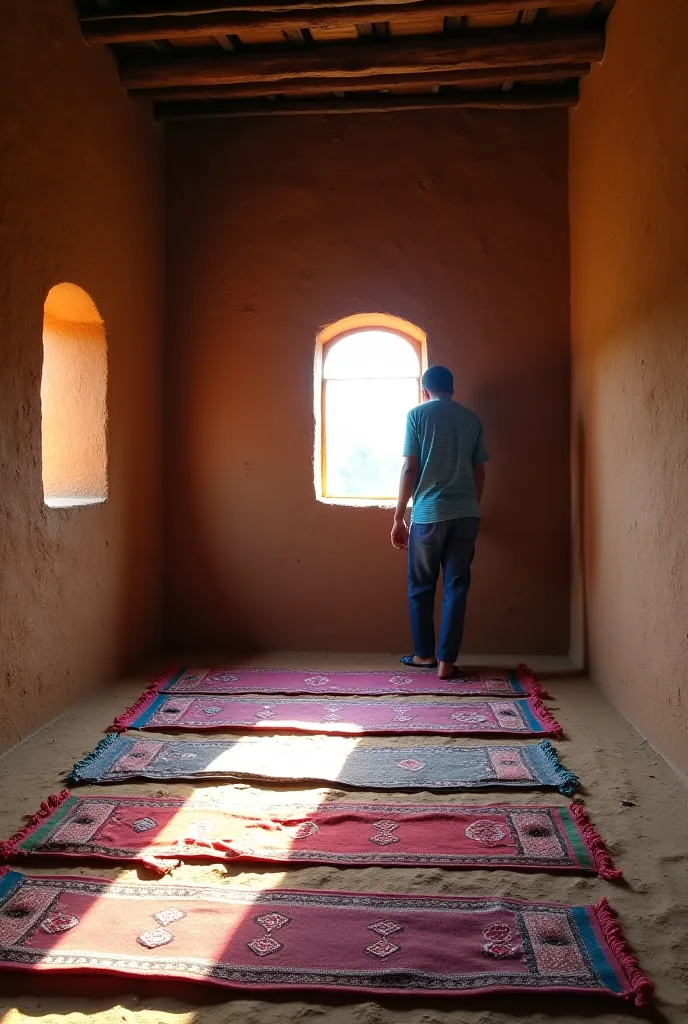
(444, 472)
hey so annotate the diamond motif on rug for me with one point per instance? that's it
(264, 946)
(498, 950)
(143, 824)
(58, 922)
(168, 916)
(487, 832)
(212, 710)
(302, 831)
(385, 928)
(411, 765)
(382, 949)
(317, 680)
(201, 828)
(384, 839)
(498, 944)
(154, 937)
(271, 922)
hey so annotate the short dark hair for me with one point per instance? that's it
(438, 380)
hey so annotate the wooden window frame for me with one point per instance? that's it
(326, 339)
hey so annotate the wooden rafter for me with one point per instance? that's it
(565, 96)
(233, 20)
(489, 50)
(297, 87)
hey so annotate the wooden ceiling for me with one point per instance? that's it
(201, 58)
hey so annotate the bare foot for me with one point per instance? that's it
(447, 670)
(422, 661)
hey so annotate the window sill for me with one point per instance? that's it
(72, 501)
(359, 502)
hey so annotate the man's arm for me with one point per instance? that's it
(479, 477)
(480, 457)
(407, 482)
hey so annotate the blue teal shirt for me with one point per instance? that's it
(447, 440)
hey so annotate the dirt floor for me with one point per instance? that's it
(634, 798)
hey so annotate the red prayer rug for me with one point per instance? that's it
(162, 831)
(525, 717)
(327, 759)
(335, 941)
(228, 681)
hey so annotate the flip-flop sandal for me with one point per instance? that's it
(410, 663)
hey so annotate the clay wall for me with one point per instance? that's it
(82, 182)
(454, 221)
(629, 298)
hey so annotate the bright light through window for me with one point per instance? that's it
(370, 380)
(73, 400)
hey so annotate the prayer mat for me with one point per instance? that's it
(162, 831)
(298, 760)
(229, 681)
(299, 939)
(525, 717)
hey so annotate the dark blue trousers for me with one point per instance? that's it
(449, 546)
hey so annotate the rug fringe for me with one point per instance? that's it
(525, 675)
(546, 717)
(568, 781)
(601, 856)
(613, 933)
(79, 771)
(123, 721)
(9, 848)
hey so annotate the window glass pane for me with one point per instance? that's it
(371, 354)
(364, 437)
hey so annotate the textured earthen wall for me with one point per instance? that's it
(456, 222)
(81, 185)
(629, 226)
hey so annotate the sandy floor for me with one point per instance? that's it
(634, 798)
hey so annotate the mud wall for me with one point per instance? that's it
(82, 183)
(455, 221)
(629, 264)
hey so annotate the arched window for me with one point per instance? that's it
(73, 399)
(368, 371)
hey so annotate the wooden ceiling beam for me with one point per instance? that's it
(490, 50)
(526, 99)
(297, 87)
(181, 25)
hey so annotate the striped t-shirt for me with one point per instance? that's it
(447, 440)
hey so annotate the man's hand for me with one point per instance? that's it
(400, 535)
(409, 475)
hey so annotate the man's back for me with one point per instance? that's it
(447, 440)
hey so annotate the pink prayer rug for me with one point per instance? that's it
(524, 717)
(162, 831)
(300, 940)
(228, 681)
